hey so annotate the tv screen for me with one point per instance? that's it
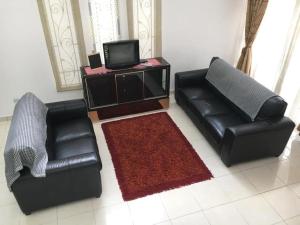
(121, 54)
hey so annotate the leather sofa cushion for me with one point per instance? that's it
(73, 129)
(75, 147)
(192, 93)
(217, 124)
(209, 107)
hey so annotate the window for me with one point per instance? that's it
(105, 22)
(63, 32)
(144, 19)
(290, 88)
(141, 21)
(268, 48)
(276, 53)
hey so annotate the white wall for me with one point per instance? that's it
(24, 60)
(196, 30)
(192, 32)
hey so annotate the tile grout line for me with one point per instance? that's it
(130, 213)
(206, 218)
(163, 204)
(273, 208)
(292, 218)
(242, 216)
(237, 200)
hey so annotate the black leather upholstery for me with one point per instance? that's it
(256, 140)
(192, 78)
(73, 169)
(65, 149)
(196, 93)
(73, 129)
(272, 108)
(66, 110)
(216, 124)
(227, 128)
(207, 107)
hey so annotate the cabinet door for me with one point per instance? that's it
(101, 91)
(155, 83)
(130, 87)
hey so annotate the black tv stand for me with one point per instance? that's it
(104, 88)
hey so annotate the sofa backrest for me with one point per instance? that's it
(252, 98)
(273, 108)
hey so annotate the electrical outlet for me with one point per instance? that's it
(16, 100)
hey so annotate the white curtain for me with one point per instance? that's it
(276, 53)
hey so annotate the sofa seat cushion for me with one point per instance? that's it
(209, 107)
(73, 129)
(75, 147)
(192, 93)
(217, 124)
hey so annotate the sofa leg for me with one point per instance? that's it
(225, 159)
(277, 155)
(27, 213)
(98, 195)
(226, 162)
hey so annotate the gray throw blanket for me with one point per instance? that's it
(25, 145)
(239, 88)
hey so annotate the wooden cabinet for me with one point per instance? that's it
(113, 87)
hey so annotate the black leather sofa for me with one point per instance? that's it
(73, 169)
(228, 129)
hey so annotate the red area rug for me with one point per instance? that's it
(129, 108)
(150, 155)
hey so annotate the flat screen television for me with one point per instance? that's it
(121, 54)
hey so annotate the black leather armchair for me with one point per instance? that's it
(73, 169)
(229, 130)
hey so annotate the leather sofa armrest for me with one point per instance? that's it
(66, 180)
(255, 140)
(190, 78)
(65, 110)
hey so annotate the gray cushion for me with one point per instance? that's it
(25, 145)
(239, 88)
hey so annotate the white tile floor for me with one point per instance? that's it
(263, 192)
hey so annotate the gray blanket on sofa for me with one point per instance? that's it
(239, 88)
(25, 145)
